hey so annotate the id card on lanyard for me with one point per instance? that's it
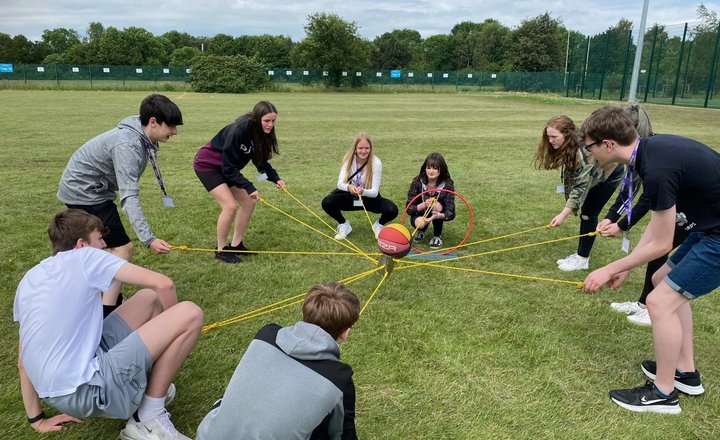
(166, 199)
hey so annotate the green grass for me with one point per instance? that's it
(438, 354)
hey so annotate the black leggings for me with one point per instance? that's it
(596, 199)
(338, 201)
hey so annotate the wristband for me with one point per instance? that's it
(37, 418)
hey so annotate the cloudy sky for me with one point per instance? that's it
(373, 17)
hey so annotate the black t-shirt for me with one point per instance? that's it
(682, 172)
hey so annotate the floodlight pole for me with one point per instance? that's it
(638, 55)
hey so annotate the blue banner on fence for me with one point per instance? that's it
(394, 74)
(6, 68)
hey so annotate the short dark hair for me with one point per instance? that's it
(609, 122)
(69, 226)
(160, 107)
(332, 307)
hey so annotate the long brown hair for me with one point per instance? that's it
(547, 157)
(265, 144)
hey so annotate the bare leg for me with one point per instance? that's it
(671, 317)
(125, 252)
(169, 337)
(247, 206)
(223, 195)
(140, 308)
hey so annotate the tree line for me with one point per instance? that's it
(538, 44)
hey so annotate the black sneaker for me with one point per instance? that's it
(647, 398)
(228, 257)
(419, 236)
(688, 383)
(241, 247)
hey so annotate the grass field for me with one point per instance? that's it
(438, 354)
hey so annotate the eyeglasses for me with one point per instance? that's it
(589, 146)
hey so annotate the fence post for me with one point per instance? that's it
(713, 64)
(602, 73)
(649, 71)
(57, 80)
(657, 66)
(90, 70)
(585, 65)
(627, 61)
(677, 72)
(687, 69)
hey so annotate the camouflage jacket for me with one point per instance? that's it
(586, 175)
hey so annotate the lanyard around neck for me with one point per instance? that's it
(153, 162)
(628, 183)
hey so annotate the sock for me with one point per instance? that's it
(150, 407)
(662, 393)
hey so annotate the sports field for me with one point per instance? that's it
(439, 353)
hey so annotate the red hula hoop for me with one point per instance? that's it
(467, 205)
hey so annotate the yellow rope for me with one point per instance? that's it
(497, 251)
(578, 284)
(356, 248)
(315, 229)
(353, 254)
(425, 215)
(374, 292)
(366, 213)
(279, 305)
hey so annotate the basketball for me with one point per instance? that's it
(394, 240)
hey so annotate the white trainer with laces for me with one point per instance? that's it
(577, 263)
(569, 257)
(157, 428)
(377, 227)
(640, 318)
(628, 308)
(343, 230)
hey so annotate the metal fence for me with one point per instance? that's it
(679, 66)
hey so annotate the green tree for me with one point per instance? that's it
(223, 74)
(437, 53)
(490, 46)
(222, 44)
(181, 39)
(538, 45)
(464, 38)
(331, 44)
(184, 56)
(59, 40)
(272, 50)
(397, 49)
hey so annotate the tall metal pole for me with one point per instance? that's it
(638, 55)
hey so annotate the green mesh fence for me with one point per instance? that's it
(679, 66)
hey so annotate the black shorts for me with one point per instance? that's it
(108, 213)
(211, 179)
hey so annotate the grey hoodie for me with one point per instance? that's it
(289, 384)
(106, 164)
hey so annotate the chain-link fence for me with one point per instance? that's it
(679, 66)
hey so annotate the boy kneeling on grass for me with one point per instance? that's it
(290, 382)
(86, 366)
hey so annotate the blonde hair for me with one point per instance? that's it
(350, 155)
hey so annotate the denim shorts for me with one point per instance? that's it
(116, 389)
(695, 266)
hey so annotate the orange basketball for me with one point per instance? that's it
(394, 240)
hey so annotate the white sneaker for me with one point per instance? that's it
(157, 428)
(577, 263)
(377, 227)
(343, 230)
(640, 318)
(171, 393)
(569, 257)
(628, 308)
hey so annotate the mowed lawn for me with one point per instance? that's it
(439, 353)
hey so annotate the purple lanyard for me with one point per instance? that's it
(358, 173)
(153, 160)
(628, 182)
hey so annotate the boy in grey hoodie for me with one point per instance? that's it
(113, 162)
(290, 383)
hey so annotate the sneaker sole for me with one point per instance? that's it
(683, 388)
(572, 269)
(642, 324)
(660, 409)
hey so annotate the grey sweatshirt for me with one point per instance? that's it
(109, 163)
(289, 384)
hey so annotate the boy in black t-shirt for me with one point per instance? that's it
(681, 178)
